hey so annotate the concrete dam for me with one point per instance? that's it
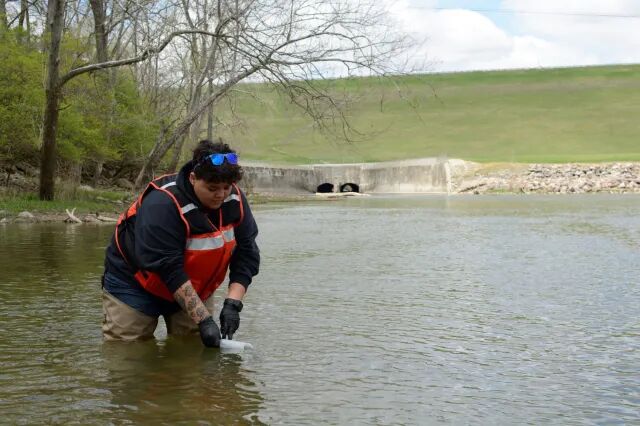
(426, 175)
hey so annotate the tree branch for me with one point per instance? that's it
(144, 55)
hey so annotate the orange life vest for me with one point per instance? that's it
(206, 255)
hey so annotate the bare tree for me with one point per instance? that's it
(98, 7)
(55, 82)
(200, 54)
(99, 10)
(54, 27)
(291, 44)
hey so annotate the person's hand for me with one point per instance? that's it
(209, 332)
(230, 317)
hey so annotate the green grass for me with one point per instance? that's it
(555, 115)
(103, 201)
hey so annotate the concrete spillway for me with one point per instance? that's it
(427, 175)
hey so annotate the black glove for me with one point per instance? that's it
(209, 332)
(230, 317)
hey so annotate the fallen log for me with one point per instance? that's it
(72, 217)
(106, 219)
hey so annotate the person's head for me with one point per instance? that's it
(215, 169)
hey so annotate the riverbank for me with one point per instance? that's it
(85, 204)
(92, 206)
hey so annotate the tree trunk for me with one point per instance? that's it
(55, 22)
(210, 115)
(193, 135)
(75, 175)
(175, 158)
(23, 22)
(3, 15)
(28, 28)
(98, 9)
(102, 55)
(146, 171)
(97, 172)
(24, 6)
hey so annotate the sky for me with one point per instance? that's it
(465, 35)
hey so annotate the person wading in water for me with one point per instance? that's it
(173, 247)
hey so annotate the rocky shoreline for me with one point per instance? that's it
(470, 178)
(550, 179)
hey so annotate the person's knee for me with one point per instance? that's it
(180, 324)
(122, 322)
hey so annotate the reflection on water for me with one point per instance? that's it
(55, 367)
(179, 379)
(384, 310)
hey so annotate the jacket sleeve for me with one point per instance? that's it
(160, 238)
(245, 262)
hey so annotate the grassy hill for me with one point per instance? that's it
(589, 114)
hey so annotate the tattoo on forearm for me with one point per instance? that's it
(191, 304)
(189, 301)
(201, 311)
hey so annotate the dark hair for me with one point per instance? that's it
(204, 169)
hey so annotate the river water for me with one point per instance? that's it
(379, 310)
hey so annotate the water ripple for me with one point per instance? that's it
(414, 310)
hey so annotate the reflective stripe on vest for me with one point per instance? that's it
(229, 234)
(188, 208)
(211, 243)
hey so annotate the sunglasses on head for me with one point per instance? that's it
(217, 159)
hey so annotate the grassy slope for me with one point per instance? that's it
(556, 115)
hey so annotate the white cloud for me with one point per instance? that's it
(606, 39)
(459, 39)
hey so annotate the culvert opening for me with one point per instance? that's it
(325, 188)
(350, 187)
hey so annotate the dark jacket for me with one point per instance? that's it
(160, 240)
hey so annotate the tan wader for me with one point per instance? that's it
(122, 322)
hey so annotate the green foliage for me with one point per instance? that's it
(75, 133)
(134, 128)
(103, 116)
(21, 99)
